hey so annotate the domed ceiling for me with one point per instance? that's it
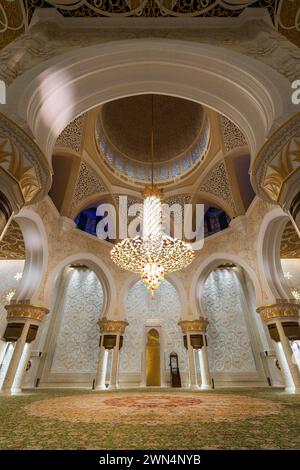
(180, 130)
(127, 124)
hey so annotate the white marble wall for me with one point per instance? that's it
(232, 352)
(77, 342)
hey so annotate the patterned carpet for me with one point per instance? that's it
(227, 419)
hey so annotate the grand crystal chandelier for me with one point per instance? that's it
(154, 254)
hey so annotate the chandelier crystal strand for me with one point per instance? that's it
(154, 254)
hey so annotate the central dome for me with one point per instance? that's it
(127, 124)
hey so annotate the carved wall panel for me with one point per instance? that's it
(71, 136)
(88, 183)
(232, 136)
(217, 184)
(77, 343)
(228, 337)
(165, 307)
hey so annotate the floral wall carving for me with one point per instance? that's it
(228, 338)
(165, 306)
(77, 343)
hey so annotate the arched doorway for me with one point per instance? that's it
(153, 359)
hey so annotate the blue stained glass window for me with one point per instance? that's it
(109, 156)
(164, 172)
(186, 164)
(102, 145)
(195, 154)
(119, 163)
(141, 172)
(129, 168)
(176, 168)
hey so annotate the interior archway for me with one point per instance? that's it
(249, 92)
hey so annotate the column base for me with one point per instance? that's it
(292, 390)
(194, 387)
(99, 387)
(113, 387)
(206, 387)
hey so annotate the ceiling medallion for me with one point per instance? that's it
(154, 254)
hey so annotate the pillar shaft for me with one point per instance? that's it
(114, 365)
(204, 367)
(192, 371)
(101, 369)
(14, 363)
(288, 356)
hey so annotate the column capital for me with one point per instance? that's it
(112, 326)
(281, 310)
(195, 326)
(24, 312)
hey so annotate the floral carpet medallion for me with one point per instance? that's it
(152, 408)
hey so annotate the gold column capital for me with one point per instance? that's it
(112, 326)
(25, 312)
(282, 309)
(199, 325)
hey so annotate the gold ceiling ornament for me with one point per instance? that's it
(153, 254)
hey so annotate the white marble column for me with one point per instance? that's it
(15, 360)
(17, 384)
(114, 365)
(102, 365)
(204, 367)
(192, 371)
(288, 353)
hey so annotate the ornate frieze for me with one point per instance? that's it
(199, 326)
(256, 39)
(281, 310)
(23, 162)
